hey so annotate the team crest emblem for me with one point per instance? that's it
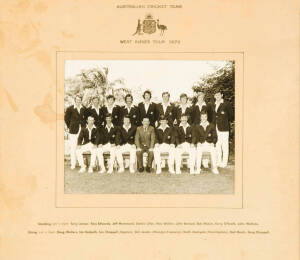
(149, 24)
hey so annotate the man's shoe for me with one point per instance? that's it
(198, 171)
(72, 167)
(158, 171)
(102, 170)
(141, 169)
(110, 170)
(82, 169)
(90, 170)
(178, 172)
(148, 169)
(215, 171)
(171, 170)
(131, 170)
(121, 170)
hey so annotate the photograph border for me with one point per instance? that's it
(152, 52)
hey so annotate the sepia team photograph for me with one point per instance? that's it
(149, 127)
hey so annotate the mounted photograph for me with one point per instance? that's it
(149, 126)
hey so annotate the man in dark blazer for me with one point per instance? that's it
(147, 109)
(183, 141)
(222, 118)
(201, 106)
(130, 110)
(95, 112)
(205, 137)
(87, 142)
(125, 144)
(145, 141)
(164, 143)
(183, 108)
(75, 119)
(166, 109)
(112, 109)
(106, 141)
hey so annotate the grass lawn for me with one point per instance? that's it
(165, 183)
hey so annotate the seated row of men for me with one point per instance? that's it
(220, 114)
(174, 141)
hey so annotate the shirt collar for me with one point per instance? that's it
(186, 105)
(187, 125)
(111, 107)
(160, 127)
(221, 101)
(124, 126)
(111, 126)
(93, 107)
(203, 104)
(78, 107)
(204, 125)
(87, 127)
(168, 104)
(148, 103)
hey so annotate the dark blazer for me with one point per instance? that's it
(181, 136)
(151, 113)
(195, 114)
(169, 114)
(143, 138)
(83, 137)
(179, 112)
(116, 115)
(104, 136)
(99, 117)
(167, 136)
(223, 116)
(200, 135)
(124, 137)
(74, 119)
(133, 114)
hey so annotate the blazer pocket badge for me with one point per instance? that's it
(134, 116)
(209, 134)
(116, 116)
(113, 135)
(151, 112)
(222, 112)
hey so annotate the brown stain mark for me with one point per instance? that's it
(40, 7)
(46, 113)
(10, 100)
(42, 57)
(29, 35)
(67, 35)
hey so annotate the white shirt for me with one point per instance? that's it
(109, 128)
(147, 106)
(183, 108)
(201, 105)
(90, 132)
(165, 106)
(110, 109)
(184, 127)
(204, 125)
(218, 104)
(128, 109)
(96, 109)
(127, 128)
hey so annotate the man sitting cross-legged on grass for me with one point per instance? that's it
(183, 140)
(125, 144)
(205, 136)
(144, 141)
(87, 143)
(105, 140)
(165, 143)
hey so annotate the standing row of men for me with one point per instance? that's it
(110, 121)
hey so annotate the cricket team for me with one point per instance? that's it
(155, 129)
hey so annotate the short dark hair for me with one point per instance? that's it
(183, 95)
(147, 92)
(127, 96)
(165, 93)
(108, 115)
(218, 90)
(111, 96)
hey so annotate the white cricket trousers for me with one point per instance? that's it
(185, 148)
(126, 148)
(164, 148)
(222, 147)
(73, 145)
(89, 147)
(206, 147)
(112, 155)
